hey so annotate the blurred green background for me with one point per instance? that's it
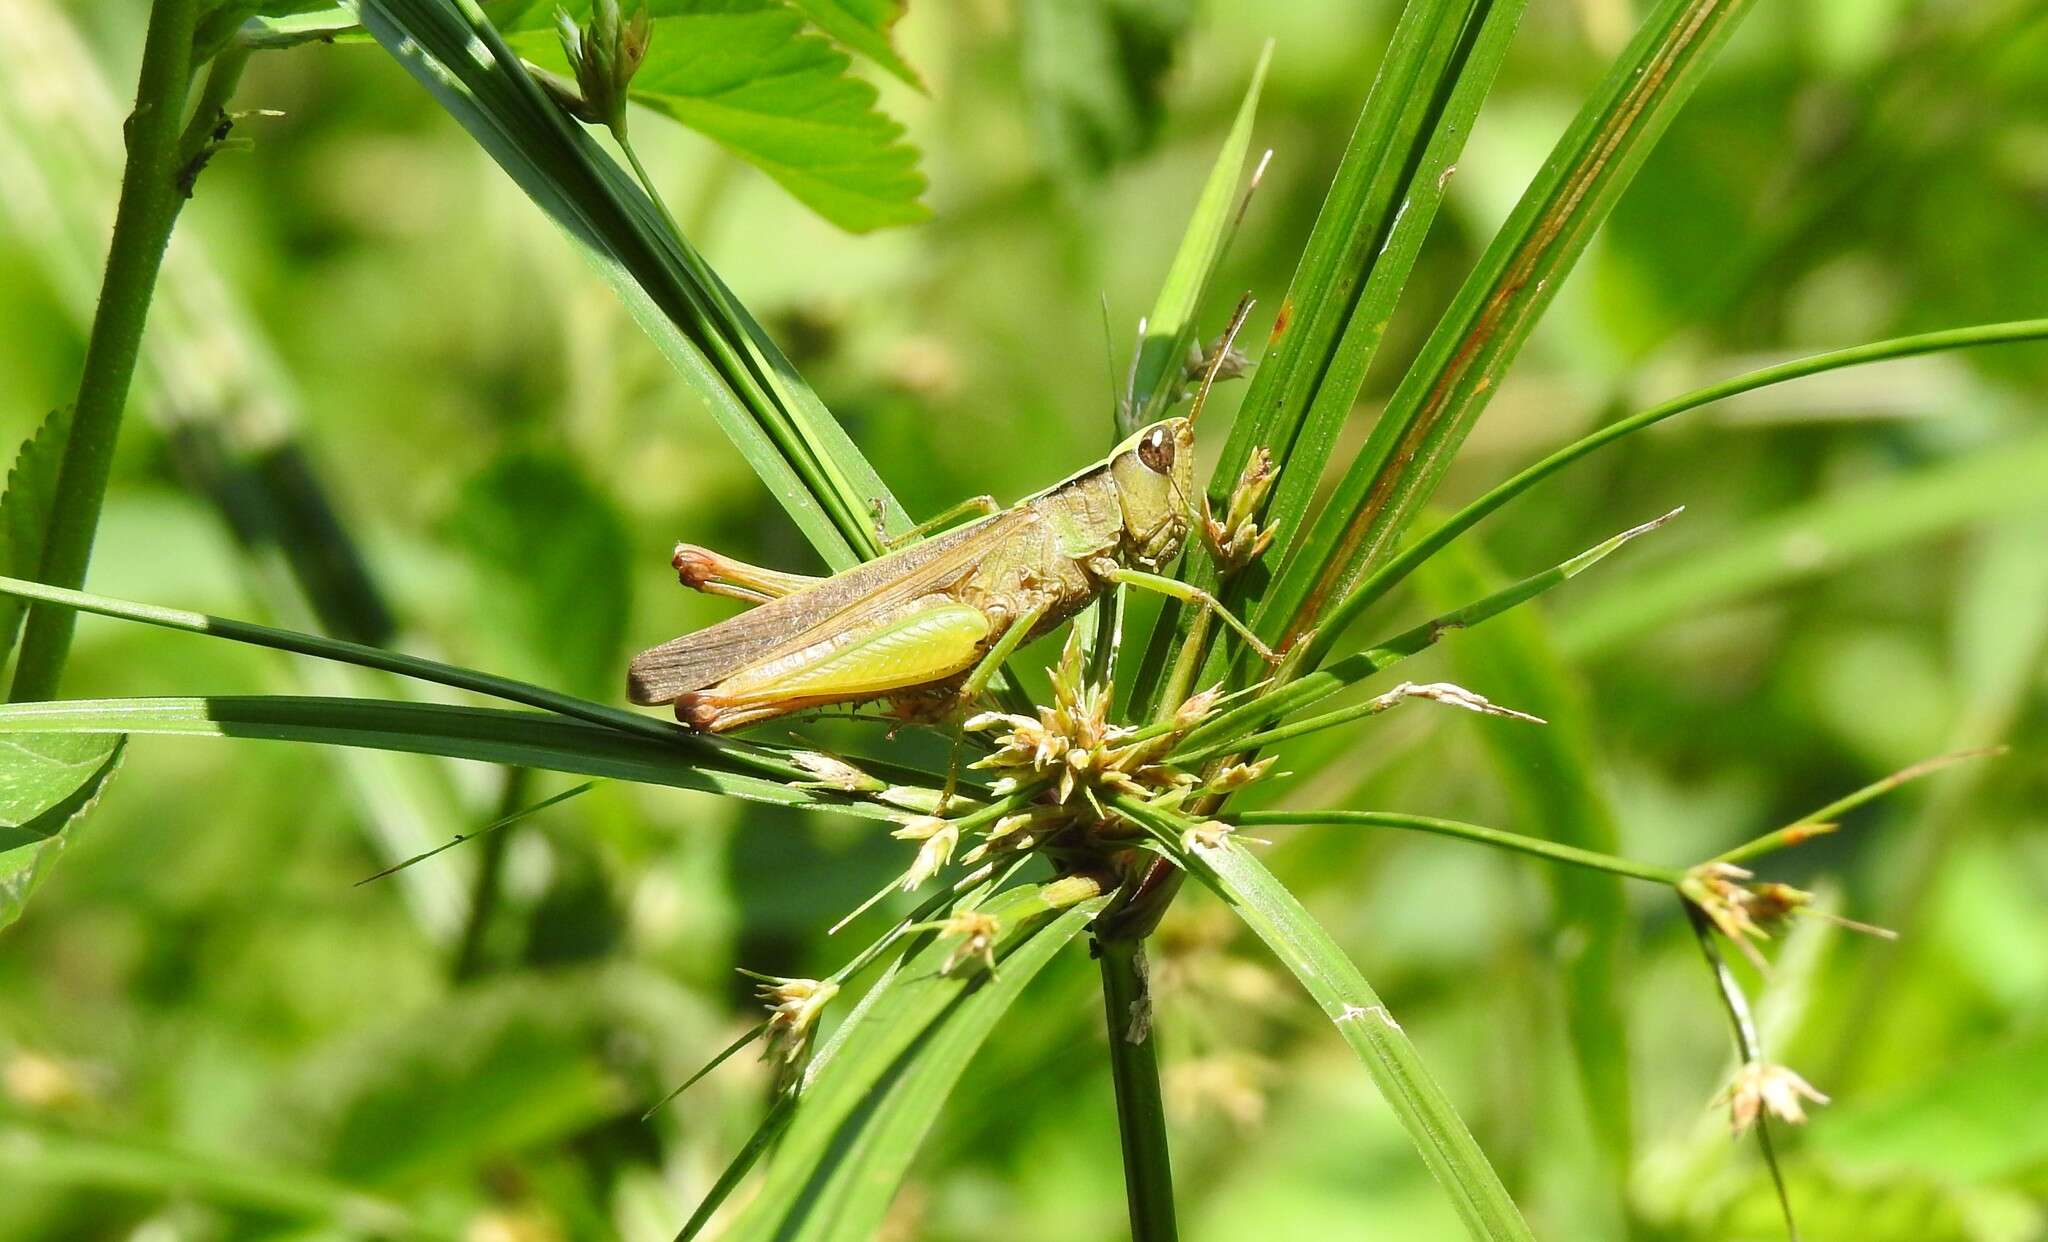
(208, 1031)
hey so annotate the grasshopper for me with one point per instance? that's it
(933, 620)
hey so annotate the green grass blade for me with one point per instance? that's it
(865, 1110)
(1393, 572)
(1439, 64)
(778, 424)
(1353, 228)
(1170, 328)
(1462, 363)
(1349, 1001)
(1551, 777)
(1215, 736)
(1334, 344)
(492, 735)
(1824, 535)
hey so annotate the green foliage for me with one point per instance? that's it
(46, 783)
(1095, 70)
(552, 551)
(217, 912)
(747, 75)
(25, 513)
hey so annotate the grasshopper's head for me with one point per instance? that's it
(1154, 472)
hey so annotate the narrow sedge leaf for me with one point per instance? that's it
(1395, 571)
(1824, 535)
(1462, 363)
(862, 1115)
(490, 735)
(47, 782)
(1397, 1069)
(1338, 342)
(778, 424)
(1437, 70)
(1170, 330)
(1262, 710)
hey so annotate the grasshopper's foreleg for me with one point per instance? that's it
(1187, 593)
(980, 505)
(714, 573)
(1006, 644)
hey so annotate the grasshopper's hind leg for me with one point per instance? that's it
(714, 573)
(930, 640)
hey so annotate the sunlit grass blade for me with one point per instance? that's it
(1274, 704)
(1824, 535)
(863, 1113)
(1396, 570)
(1439, 65)
(1552, 780)
(1432, 1122)
(1462, 363)
(492, 735)
(802, 455)
(1170, 328)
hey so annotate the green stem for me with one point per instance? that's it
(149, 204)
(1134, 1068)
(1570, 855)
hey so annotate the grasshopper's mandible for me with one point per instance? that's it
(919, 619)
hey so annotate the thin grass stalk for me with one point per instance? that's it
(150, 200)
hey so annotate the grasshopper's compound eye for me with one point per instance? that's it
(1156, 451)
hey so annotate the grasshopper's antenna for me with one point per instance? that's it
(1237, 318)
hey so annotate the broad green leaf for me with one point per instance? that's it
(869, 1104)
(491, 735)
(863, 26)
(1307, 951)
(46, 782)
(25, 513)
(552, 553)
(746, 74)
(1094, 71)
(1479, 336)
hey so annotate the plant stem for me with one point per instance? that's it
(1554, 851)
(1134, 1067)
(150, 199)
